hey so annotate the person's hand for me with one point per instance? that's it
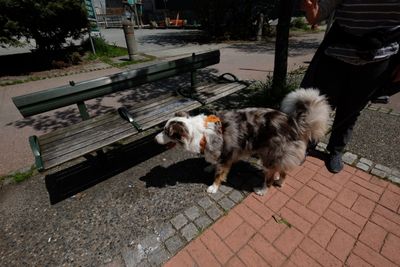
(311, 8)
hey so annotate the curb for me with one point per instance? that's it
(169, 238)
(380, 109)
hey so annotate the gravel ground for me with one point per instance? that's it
(92, 227)
(376, 137)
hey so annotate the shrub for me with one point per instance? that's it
(299, 23)
(48, 22)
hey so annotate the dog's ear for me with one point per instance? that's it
(177, 130)
(182, 114)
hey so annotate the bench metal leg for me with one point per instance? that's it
(34, 143)
(83, 110)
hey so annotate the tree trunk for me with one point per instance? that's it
(286, 8)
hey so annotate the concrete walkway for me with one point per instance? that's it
(350, 218)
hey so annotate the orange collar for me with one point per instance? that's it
(203, 141)
(211, 118)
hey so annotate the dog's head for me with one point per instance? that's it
(177, 130)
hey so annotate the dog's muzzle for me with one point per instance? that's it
(162, 139)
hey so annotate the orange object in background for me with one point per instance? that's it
(177, 22)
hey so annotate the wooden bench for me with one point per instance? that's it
(92, 134)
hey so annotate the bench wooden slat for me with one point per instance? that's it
(91, 137)
(93, 144)
(110, 117)
(74, 135)
(78, 127)
(72, 138)
(144, 115)
(88, 149)
(159, 120)
(221, 92)
(54, 98)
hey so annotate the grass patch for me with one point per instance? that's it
(12, 82)
(103, 49)
(19, 177)
(105, 52)
(263, 95)
(299, 25)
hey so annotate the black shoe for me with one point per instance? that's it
(335, 162)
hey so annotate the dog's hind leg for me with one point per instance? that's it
(220, 176)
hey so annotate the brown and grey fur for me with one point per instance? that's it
(279, 138)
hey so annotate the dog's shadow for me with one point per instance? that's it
(243, 175)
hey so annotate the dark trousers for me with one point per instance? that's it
(348, 88)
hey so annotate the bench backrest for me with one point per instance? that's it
(50, 99)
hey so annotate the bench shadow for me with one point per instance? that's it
(243, 176)
(69, 181)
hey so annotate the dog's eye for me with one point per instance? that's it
(176, 136)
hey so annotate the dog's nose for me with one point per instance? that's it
(156, 139)
(159, 138)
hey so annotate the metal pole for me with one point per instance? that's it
(260, 26)
(91, 43)
(281, 46)
(130, 38)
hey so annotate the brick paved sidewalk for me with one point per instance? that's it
(348, 218)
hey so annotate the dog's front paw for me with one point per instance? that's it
(260, 190)
(212, 189)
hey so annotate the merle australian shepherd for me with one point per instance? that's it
(279, 138)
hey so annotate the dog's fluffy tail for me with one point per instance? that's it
(311, 111)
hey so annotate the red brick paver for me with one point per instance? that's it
(351, 218)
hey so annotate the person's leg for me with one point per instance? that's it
(341, 133)
(358, 91)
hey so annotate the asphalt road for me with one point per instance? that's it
(148, 40)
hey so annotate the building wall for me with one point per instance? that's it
(114, 7)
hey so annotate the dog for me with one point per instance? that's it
(278, 137)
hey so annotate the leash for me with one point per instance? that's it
(223, 78)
